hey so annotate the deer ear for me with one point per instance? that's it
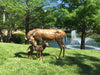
(34, 33)
(25, 38)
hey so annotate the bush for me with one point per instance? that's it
(96, 37)
(18, 38)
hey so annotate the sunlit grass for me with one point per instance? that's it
(14, 61)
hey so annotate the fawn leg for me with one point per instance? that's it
(29, 54)
(37, 55)
(40, 54)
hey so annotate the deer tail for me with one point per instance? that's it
(65, 38)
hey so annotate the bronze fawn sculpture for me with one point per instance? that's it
(48, 35)
(32, 48)
(37, 48)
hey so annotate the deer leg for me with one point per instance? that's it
(29, 54)
(37, 55)
(63, 49)
(60, 53)
(40, 54)
(61, 46)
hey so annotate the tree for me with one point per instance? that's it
(1, 34)
(10, 15)
(50, 18)
(27, 19)
(85, 11)
(65, 18)
(19, 11)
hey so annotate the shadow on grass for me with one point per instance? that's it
(97, 70)
(84, 62)
(25, 55)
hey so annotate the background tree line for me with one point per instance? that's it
(26, 15)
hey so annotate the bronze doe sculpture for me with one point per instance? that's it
(48, 35)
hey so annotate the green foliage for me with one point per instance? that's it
(16, 11)
(18, 38)
(73, 15)
(95, 36)
(14, 61)
(43, 19)
(50, 18)
(65, 18)
(81, 12)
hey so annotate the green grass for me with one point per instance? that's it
(14, 61)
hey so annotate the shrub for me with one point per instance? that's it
(18, 38)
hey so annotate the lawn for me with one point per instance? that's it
(14, 61)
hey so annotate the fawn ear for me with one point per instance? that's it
(25, 38)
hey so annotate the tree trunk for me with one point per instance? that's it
(1, 36)
(83, 37)
(9, 33)
(27, 21)
(4, 16)
(27, 28)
